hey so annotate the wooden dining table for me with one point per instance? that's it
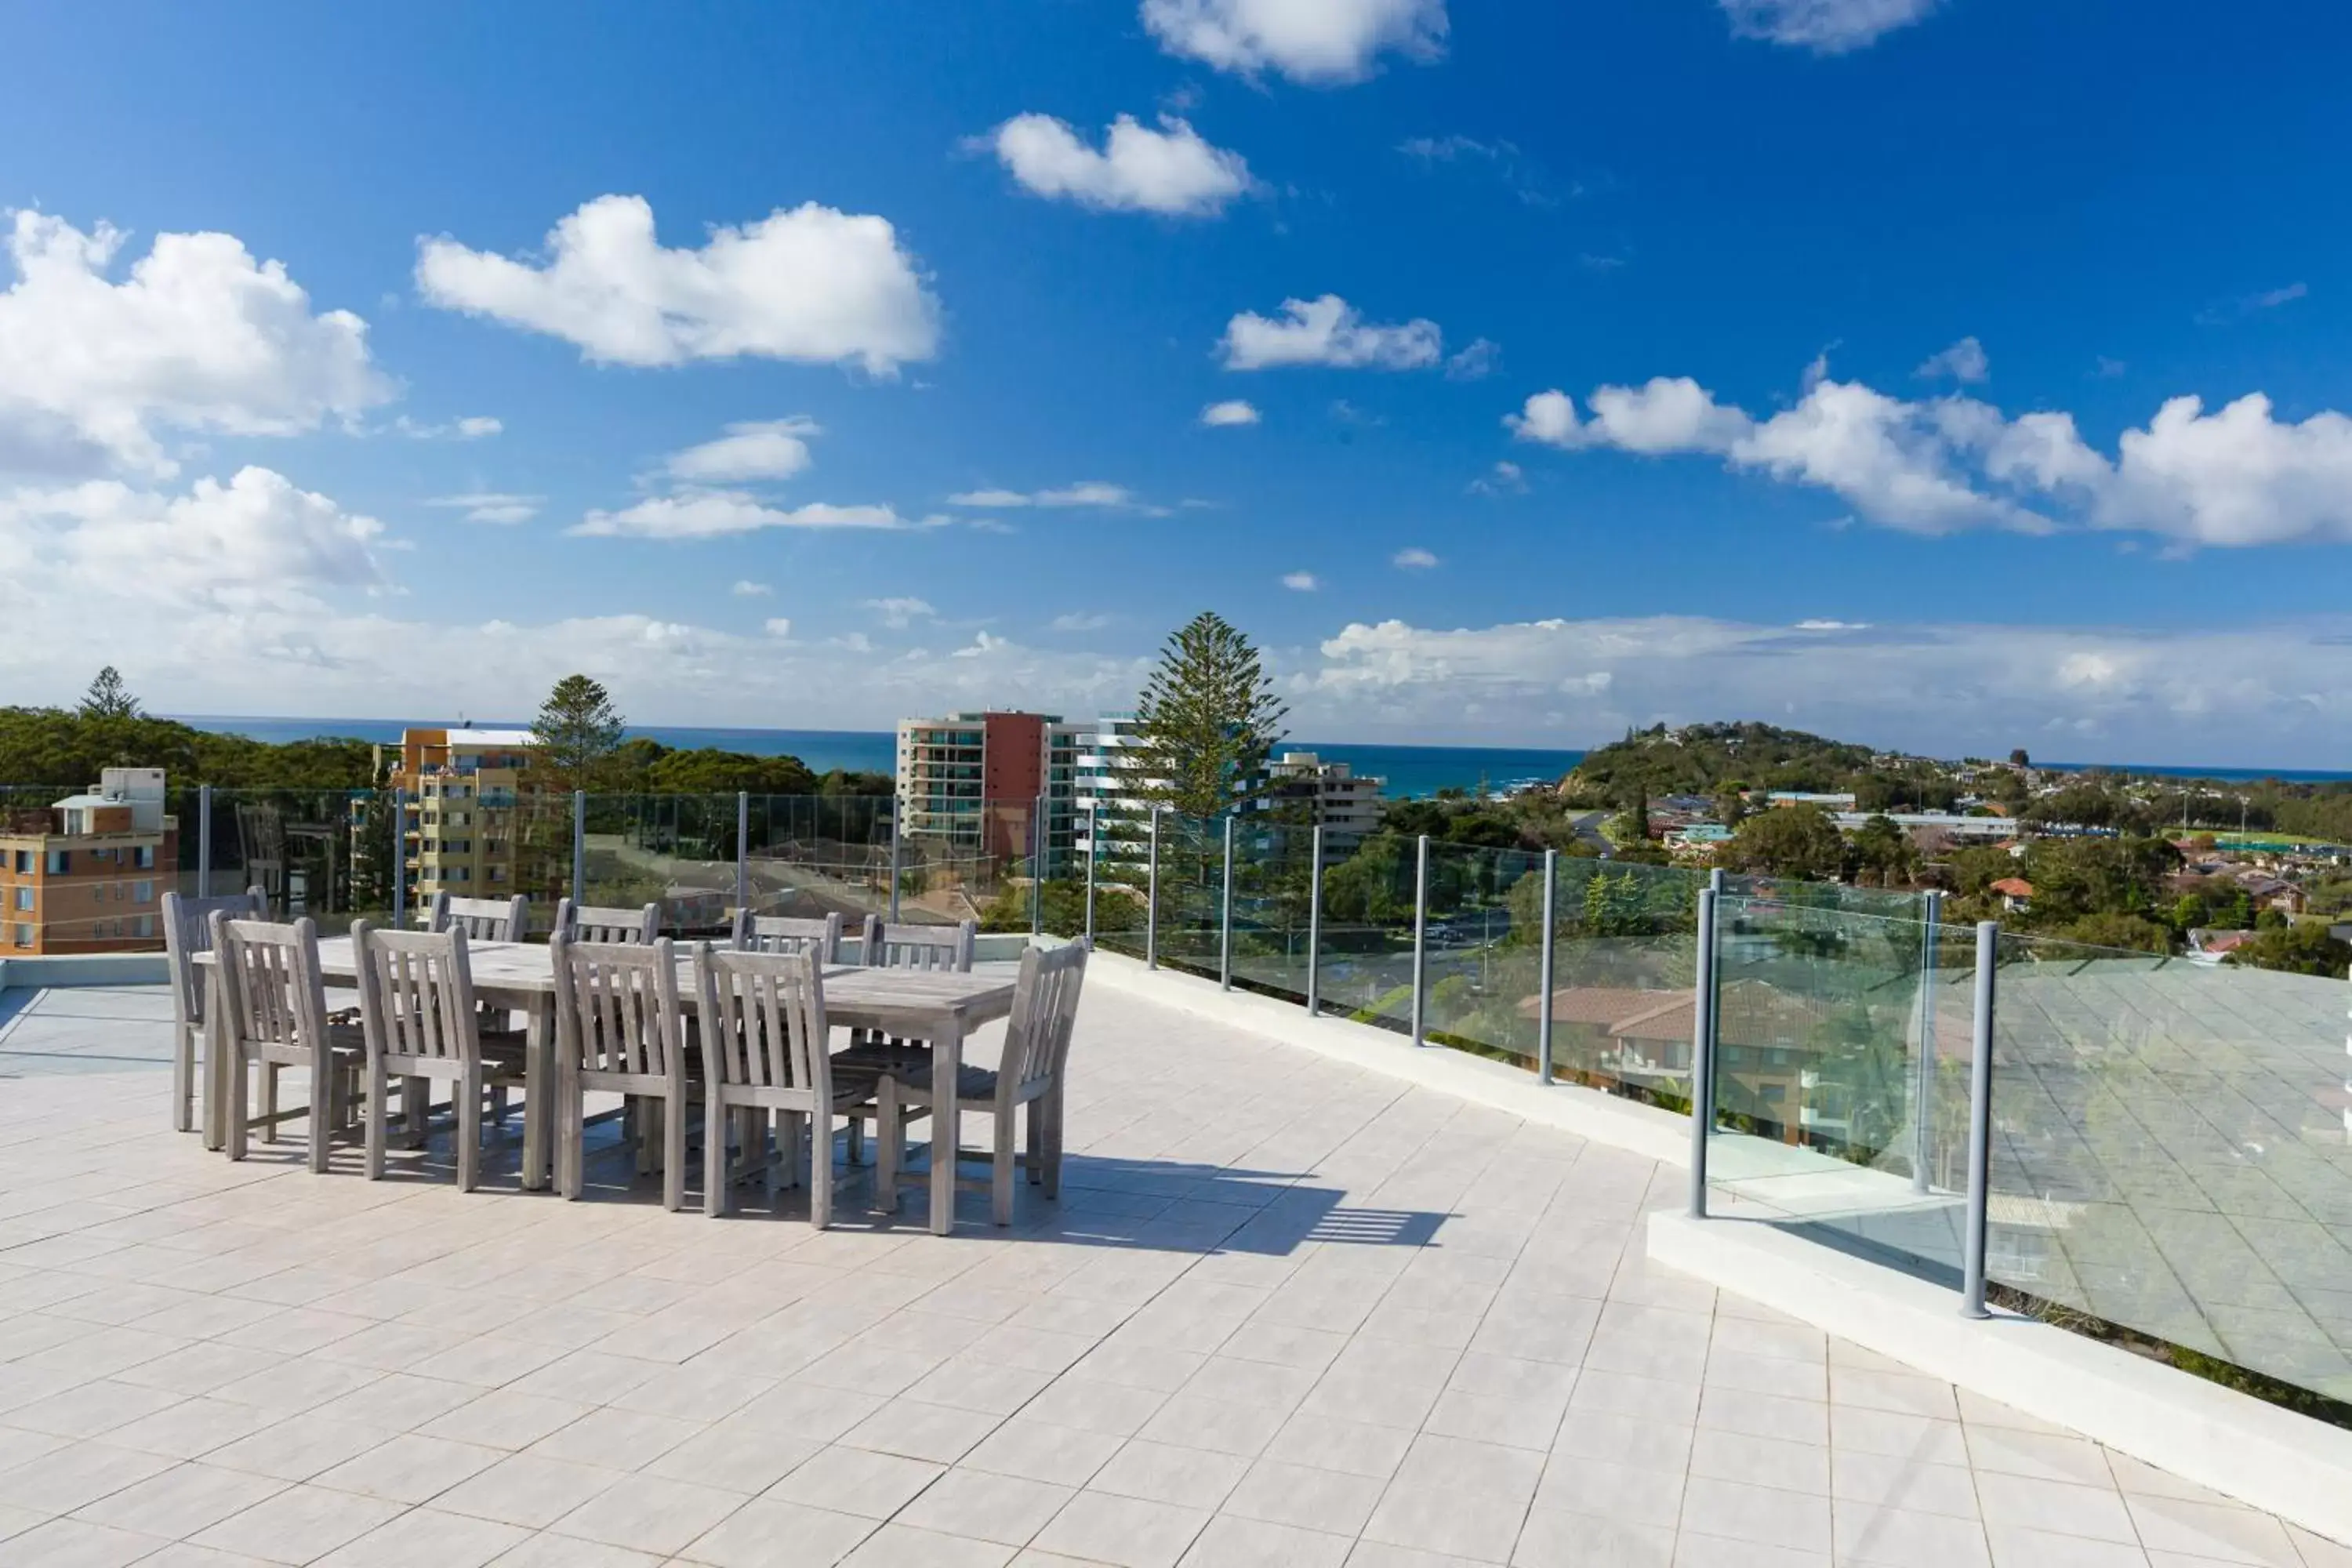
(937, 1006)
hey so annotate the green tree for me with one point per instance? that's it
(2117, 931)
(1206, 722)
(109, 697)
(1884, 848)
(578, 732)
(1788, 841)
(2303, 949)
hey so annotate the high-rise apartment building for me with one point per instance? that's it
(1345, 806)
(972, 781)
(457, 836)
(88, 873)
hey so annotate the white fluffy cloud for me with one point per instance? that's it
(757, 449)
(810, 283)
(745, 588)
(1301, 581)
(1964, 361)
(197, 337)
(1329, 332)
(1414, 559)
(1824, 27)
(1232, 411)
(254, 542)
(713, 514)
(1318, 42)
(495, 507)
(899, 613)
(1170, 171)
(2236, 477)
(1095, 493)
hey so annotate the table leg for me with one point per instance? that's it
(947, 1124)
(539, 1092)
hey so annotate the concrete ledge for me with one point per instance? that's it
(54, 971)
(1569, 1107)
(2289, 1465)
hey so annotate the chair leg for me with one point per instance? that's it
(183, 1076)
(1034, 1118)
(324, 1098)
(269, 1072)
(889, 1140)
(416, 1107)
(819, 1139)
(1053, 1142)
(499, 1105)
(853, 1145)
(468, 1093)
(1000, 1174)
(234, 1102)
(716, 1189)
(376, 1116)
(571, 1140)
(790, 1138)
(674, 1146)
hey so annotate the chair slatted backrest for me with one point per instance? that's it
(277, 995)
(789, 933)
(762, 1016)
(483, 919)
(1045, 1014)
(188, 930)
(943, 948)
(416, 994)
(608, 924)
(617, 1005)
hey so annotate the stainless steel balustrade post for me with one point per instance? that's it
(743, 850)
(1094, 855)
(1315, 926)
(1225, 921)
(1923, 1094)
(1040, 840)
(205, 842)
(1543, 966)
(1702, 1019)
(579, 845)
(1151, 899)
(399, 853)
(1972, 1241)
(1420, 937)
(894, 862)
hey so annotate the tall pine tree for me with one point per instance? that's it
(1207, 720)
(578, 732)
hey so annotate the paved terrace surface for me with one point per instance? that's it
(1287, 1312)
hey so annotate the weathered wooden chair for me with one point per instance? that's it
(187, 931)
(619, 1029)
(789, 933)
(882, 945)
(1030, 1073)
(274, 1017)
(764, 1056)
(418, 1009)
(604, 923)
(482, 920)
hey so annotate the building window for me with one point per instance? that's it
(145, 857)
(145, 926)
(24, 936)
(144, 893)
(60, 861)
(25, 899)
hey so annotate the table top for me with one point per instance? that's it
(522, 971)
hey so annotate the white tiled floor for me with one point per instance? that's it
(1287, 1312)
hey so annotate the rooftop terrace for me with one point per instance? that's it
(1291, 1309)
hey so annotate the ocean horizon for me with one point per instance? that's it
(1409, 771)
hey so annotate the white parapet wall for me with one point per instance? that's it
(63, 970)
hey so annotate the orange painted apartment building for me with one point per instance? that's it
(87, 874)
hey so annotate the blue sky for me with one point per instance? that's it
(1890, 294)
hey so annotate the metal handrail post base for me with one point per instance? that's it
(1973, 1240)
